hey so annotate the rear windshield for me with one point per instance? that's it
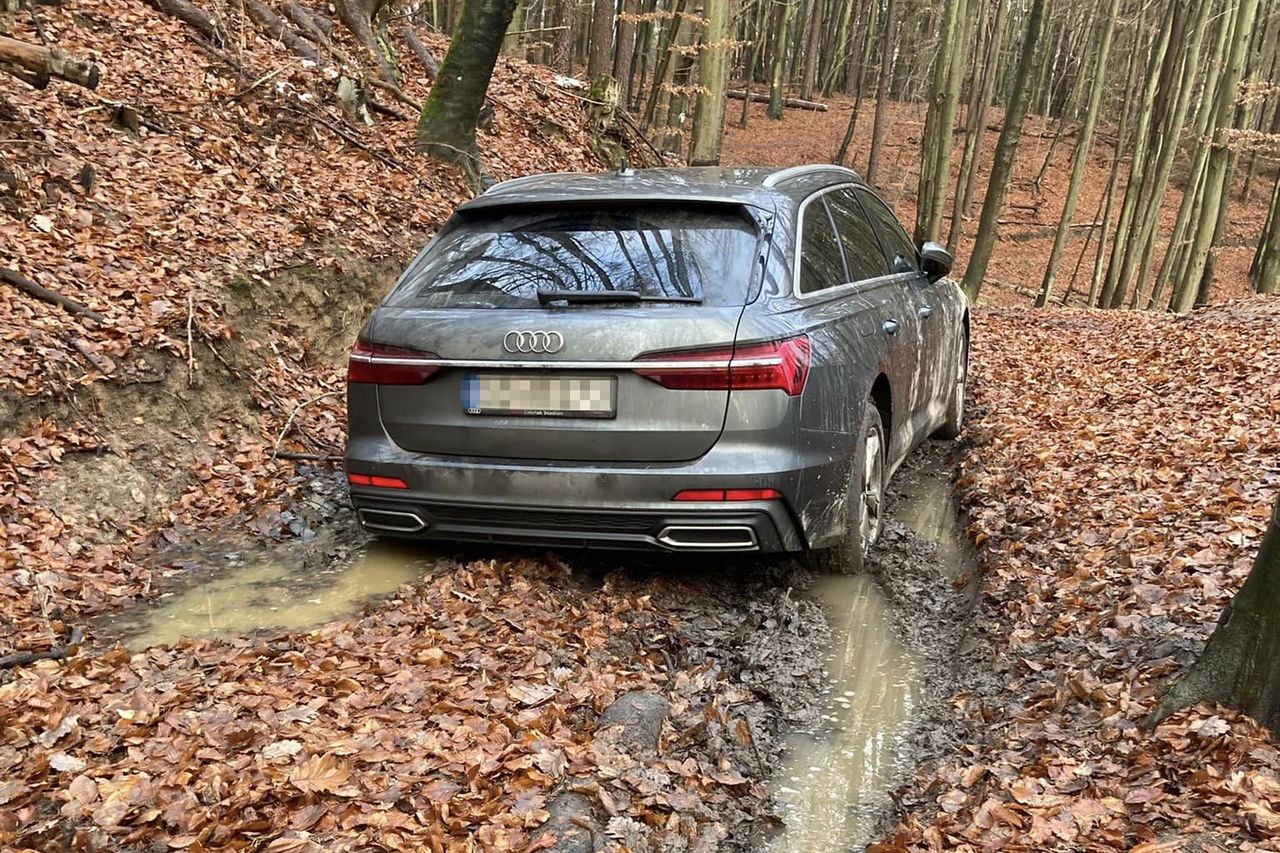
(503, 260)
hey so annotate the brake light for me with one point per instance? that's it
(781, 365)
(383, 365)
(727, 495)
(376, 480)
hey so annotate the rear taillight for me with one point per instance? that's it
(383, 365)
(376, 480)
(727, 495)
(781, 365)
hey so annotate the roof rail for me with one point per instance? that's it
(796, 171)
(515, 182)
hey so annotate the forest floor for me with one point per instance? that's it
(234, 241)
(1118, 471)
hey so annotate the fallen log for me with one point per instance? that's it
(281, 31)
(761, 98)
(307, 19)
(44, 294)
(424, 56)
(204, 23)
(44, 61)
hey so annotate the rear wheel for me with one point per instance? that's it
(955, 403)
(864, 503)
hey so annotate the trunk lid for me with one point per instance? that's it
(470, 302)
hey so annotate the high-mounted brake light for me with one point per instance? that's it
(384, 365)
(781, 365)
(727, 495)
(376, 480)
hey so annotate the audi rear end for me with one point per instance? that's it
(583, 374)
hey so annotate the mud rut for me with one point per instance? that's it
(850, 675)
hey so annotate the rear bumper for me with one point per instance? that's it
(763, 527)
(560, 504)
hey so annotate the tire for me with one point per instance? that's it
(864, 504)
(955, 403)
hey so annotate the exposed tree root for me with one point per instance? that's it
(44, 294)
(55, 653)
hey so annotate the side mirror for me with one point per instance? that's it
(935, 260)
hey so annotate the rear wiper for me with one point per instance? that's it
(587, 297)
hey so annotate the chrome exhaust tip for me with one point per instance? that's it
(392, 520)
(709, 537)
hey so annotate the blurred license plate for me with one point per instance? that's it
(539, 396)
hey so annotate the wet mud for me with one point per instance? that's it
(845, 679)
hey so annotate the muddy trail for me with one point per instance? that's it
(840, 682)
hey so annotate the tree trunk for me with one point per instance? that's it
(358, 17)
(882, 94)
(1240, 665)
(1006, 148)
(859, 85)
(1133, 272)
(662, 68)
(713, 77)
(47, 62)
(1219, 159)
(1113, 287)
(600, 59)
(777, 71)
(1175, 256)
(626, 47)
(1113, 178)
(1268, 279)
(1081, 160)
(976, 126)
(755, 36)
(809, 76)
(447, 125)
(935, 158)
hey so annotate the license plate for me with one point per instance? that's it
(523, 395)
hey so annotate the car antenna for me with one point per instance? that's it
(624, 168)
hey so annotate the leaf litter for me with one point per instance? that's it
(1118, 477)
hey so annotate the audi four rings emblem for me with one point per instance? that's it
(532, 342)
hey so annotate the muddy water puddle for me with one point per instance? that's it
(837, 777)
(266, 593)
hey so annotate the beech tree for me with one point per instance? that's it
(1240, 665)
(447, 125)
(1006, 148)
(713, 75)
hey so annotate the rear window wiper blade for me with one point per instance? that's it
(587, 297)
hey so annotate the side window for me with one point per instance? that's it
(821, 264)
(898, 248)
(862, 250)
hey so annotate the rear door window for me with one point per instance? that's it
(898, 249)
(503, 259)
(821, 261)
(862, 250)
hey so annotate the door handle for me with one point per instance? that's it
(926, 312)
(891, 327)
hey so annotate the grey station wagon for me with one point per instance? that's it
(707, 359)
